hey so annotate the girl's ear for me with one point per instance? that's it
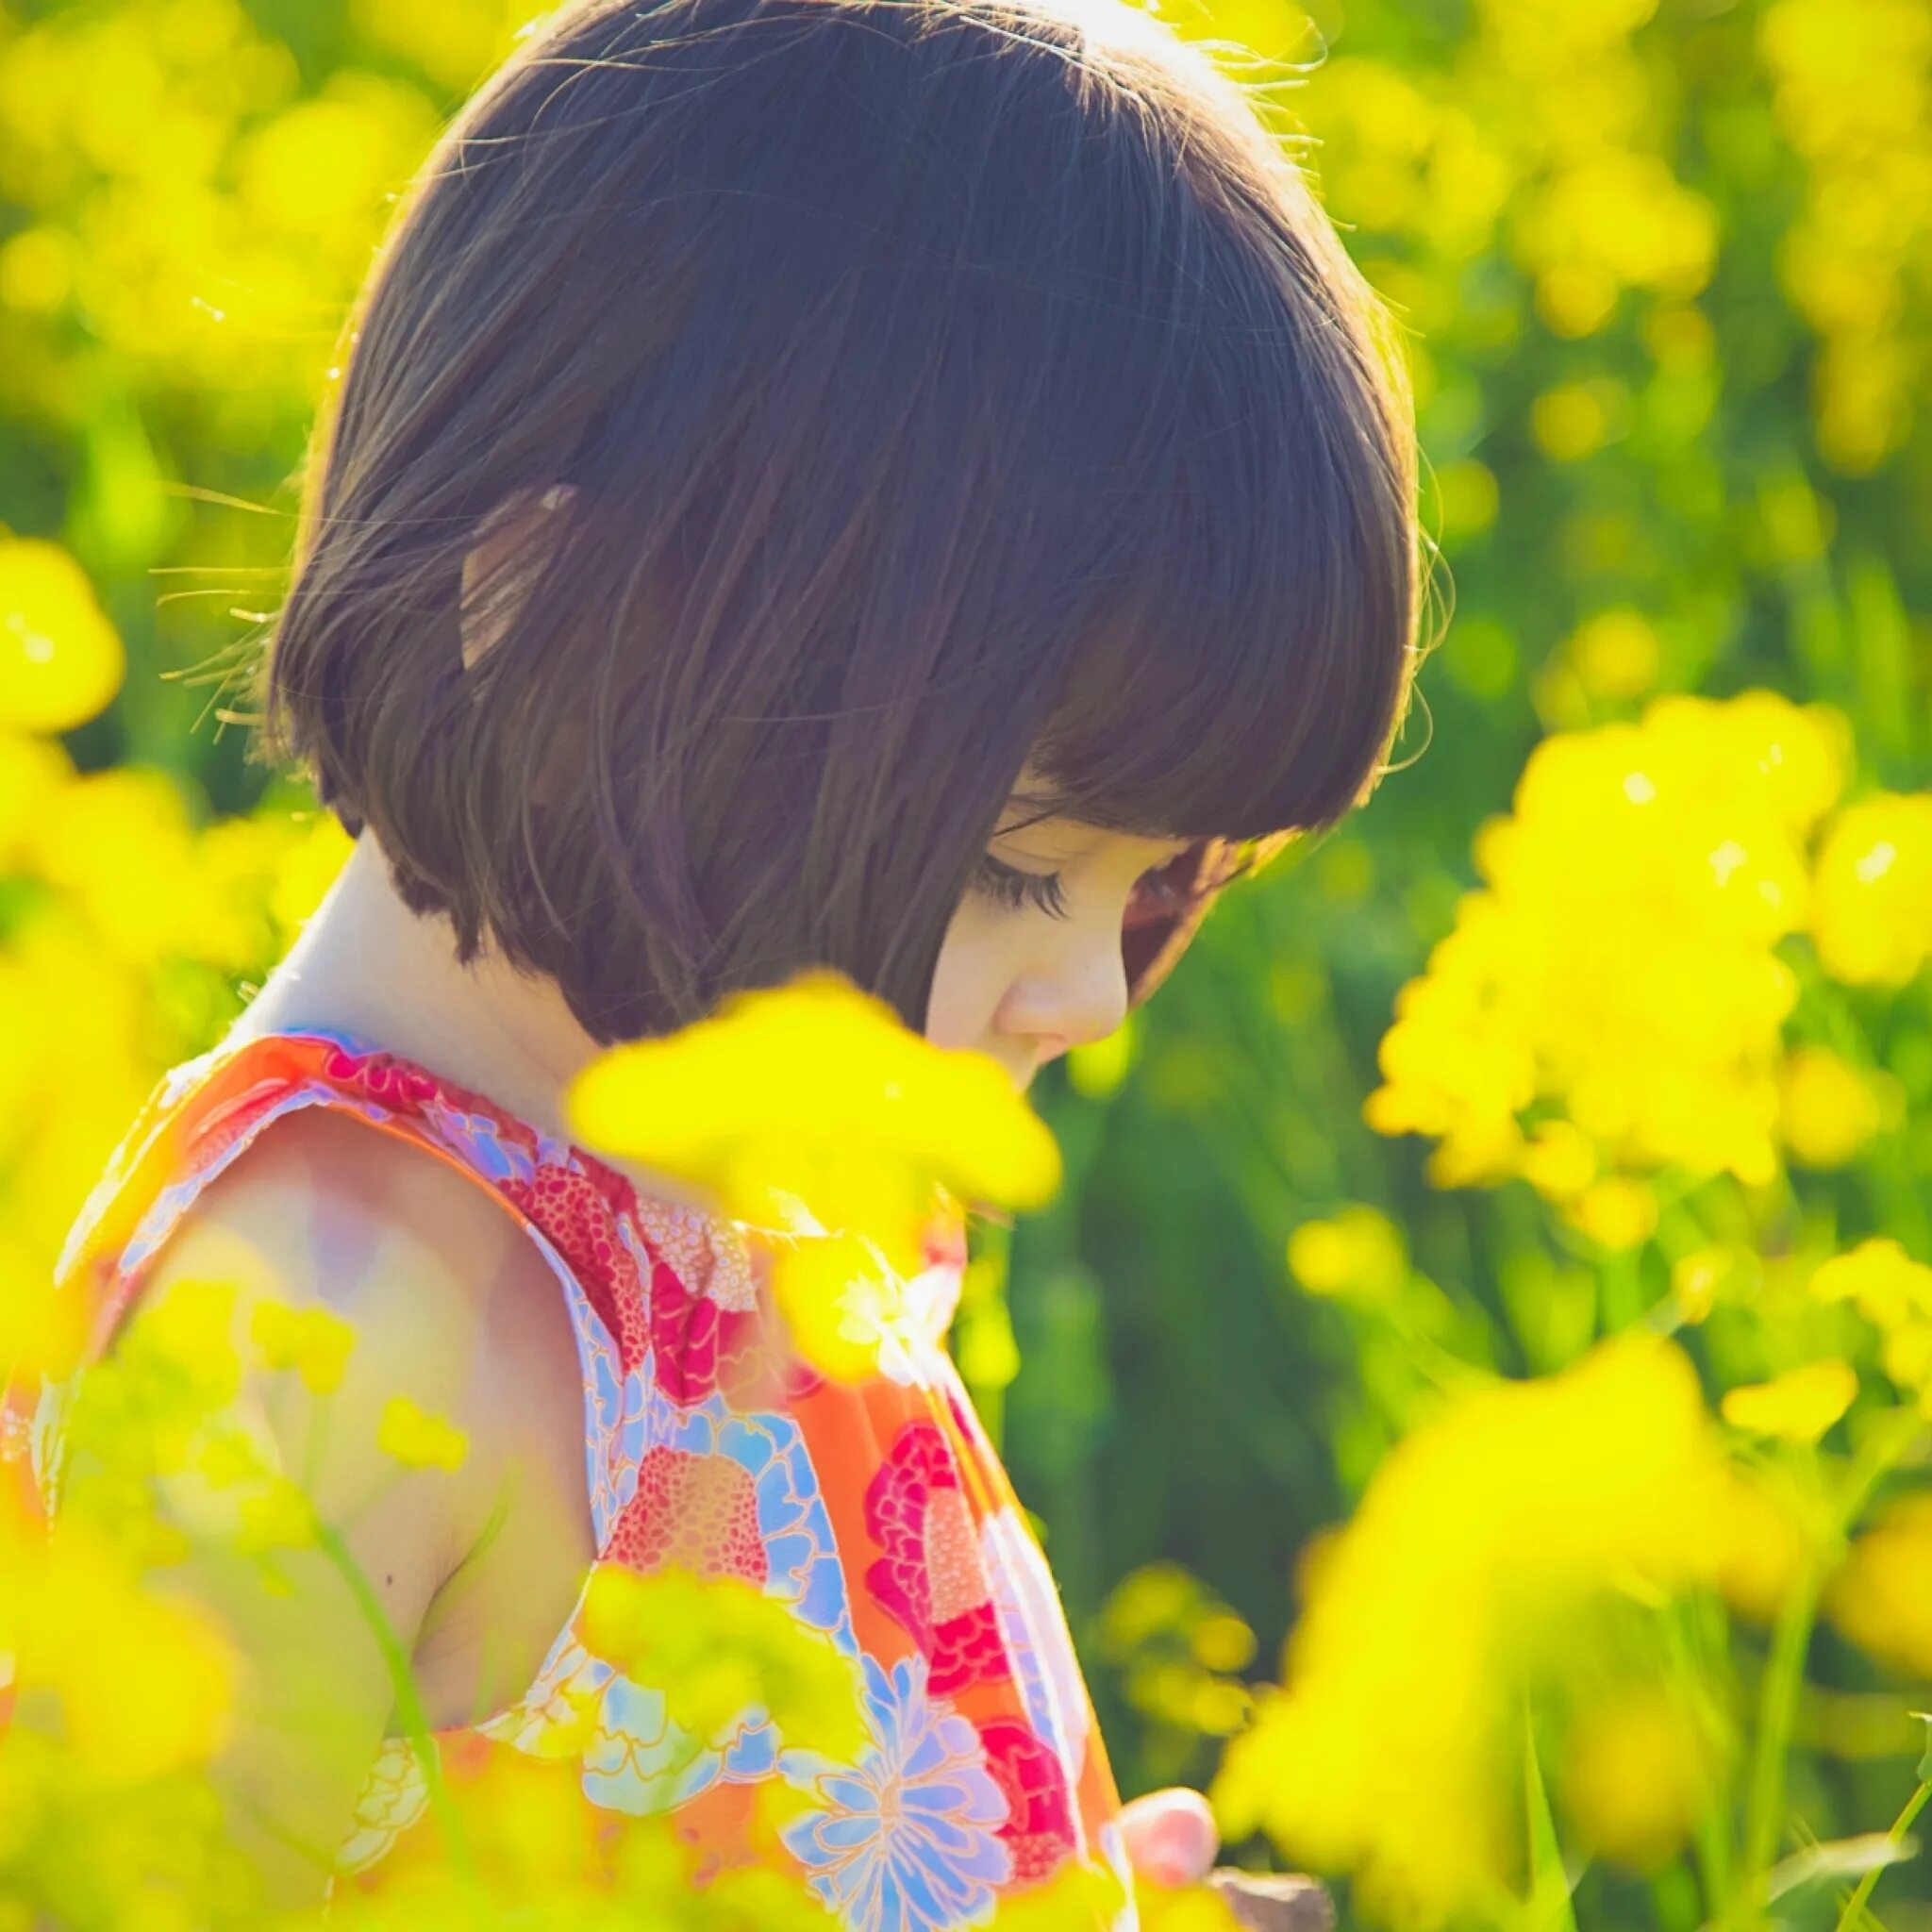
(523, 517)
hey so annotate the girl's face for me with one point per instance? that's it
(1031, 963)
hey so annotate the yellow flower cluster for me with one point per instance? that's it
(811, 1112)
(1179, 1648)
(1541, 126)
(1882, 1597)
(129, 922)
(183, 197)
(1481, 1561)
(1894, 1294)
(1853, 94)
(1613, 1000)
(1872, 910)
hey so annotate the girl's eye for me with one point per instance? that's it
(1007, 886)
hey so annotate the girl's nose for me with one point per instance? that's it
(1083, 1002)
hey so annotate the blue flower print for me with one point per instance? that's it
(906, 1843)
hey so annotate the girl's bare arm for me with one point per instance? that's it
(323, 1214)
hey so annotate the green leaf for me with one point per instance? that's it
(1550, 1909)
(1840, 1858)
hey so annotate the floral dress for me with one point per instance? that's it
(878, 1514)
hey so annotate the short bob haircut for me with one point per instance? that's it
(936, 388)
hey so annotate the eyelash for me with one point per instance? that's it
(1010, 887)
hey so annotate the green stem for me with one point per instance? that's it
(1784, 1673)
(1690, 1649)
(1855, 1906)
(410, 1710)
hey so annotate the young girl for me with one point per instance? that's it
(897, 485)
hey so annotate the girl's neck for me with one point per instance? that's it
(365, 964)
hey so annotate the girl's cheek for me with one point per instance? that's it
(968, 981)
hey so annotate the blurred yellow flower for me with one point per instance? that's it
(1762, 1544)
(1872, 893)
(717, 1645)
(1616, 1212)
(1615, 654)
(31, 770)
(817, 1092)
(60, 657)
(843, 1303)
(315, 1342)
(419, 1440)
(1355, 1255)
(1483, 1540)
(145, 1682)
(1830, 1108)
(1893, 1292)
(1638, 1772)
(1881, 1598)
(1799, 1405)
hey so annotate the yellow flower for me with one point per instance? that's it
(1615, 1211)
(1620, 965)
(418, 1440)
(1475, 1557)
(842, 1302)
(277, 1514)
(315, 1342)
(60, 657)
(1872, 892)
(714, 1645)
(1700, 1278)
(1356, 1256)
(1638, 1772)
(145, 1682)
(1799, 1405)
(31, 771)
(1762, 1541)
(1615, 654)
(817, 1092)
(1082, 1892)
(1882, 1596)
(1830, 1108)
(1559, 1160)
(1892, 1292)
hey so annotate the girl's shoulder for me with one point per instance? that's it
(312, 1170)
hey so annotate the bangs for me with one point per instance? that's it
(1247, 674)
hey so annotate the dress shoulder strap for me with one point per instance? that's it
(638, 1274)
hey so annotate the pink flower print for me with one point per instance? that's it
(1038, 1830)
(574, 1216)
(700, 1345)
(700, 1511)
(381, 1078)
(931, 1577)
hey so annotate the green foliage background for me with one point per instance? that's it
(1664, 267)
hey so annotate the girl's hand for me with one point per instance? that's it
(1171, 1836)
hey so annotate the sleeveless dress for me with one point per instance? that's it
(877, 1513)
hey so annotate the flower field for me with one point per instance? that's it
(1474, 1378)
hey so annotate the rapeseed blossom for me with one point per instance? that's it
(812, 1112)
(1872, 906)
(1799, 1405)
(1894, 1294)
(60, 657)
(1612, 999)
(1639, 1769)
(1488, 1549)
(1882, 1597)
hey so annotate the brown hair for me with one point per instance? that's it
(933, 385)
